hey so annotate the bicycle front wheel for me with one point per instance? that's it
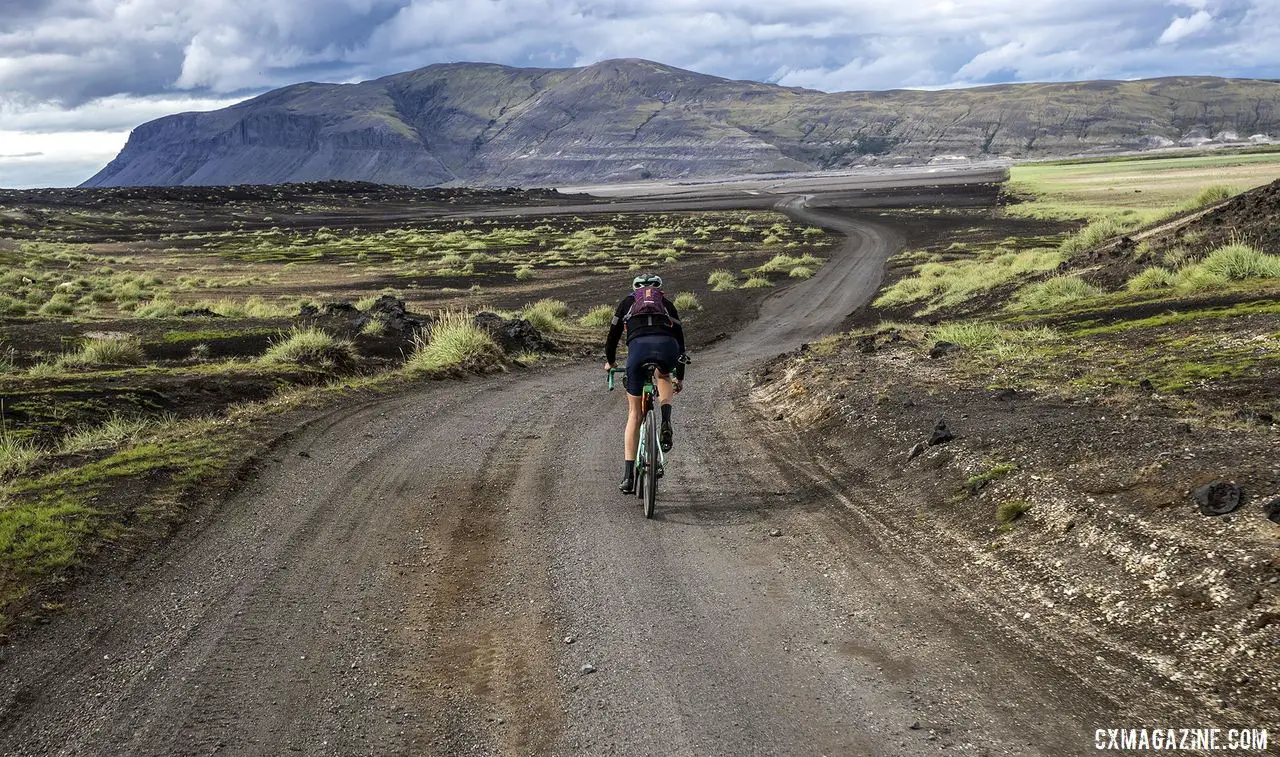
(651, 463)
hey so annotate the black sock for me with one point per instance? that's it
(666, 413)
(628, 468)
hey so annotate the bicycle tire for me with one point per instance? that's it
(640, 462)
(651, 467)
(640, 468)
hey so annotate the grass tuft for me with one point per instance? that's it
(1008, 512)
(17, 456)
(1237, 262)
(1152, 278)
(600, 315)
(115, 431)
(1094, 234)
(687, 301)
(722, 281)
(951, 283)
(1212, 196)
(547, 315)
(1059, 290)
(979, 336)
(454, 341)
(311, 347)
(106, 350)
(757, 282)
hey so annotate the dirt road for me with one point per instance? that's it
(453, 572)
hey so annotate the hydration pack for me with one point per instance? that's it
(650, 303)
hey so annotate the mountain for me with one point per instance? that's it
(485, 124)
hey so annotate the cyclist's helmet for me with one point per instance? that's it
(646, 280)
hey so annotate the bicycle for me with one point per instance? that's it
(649, 457)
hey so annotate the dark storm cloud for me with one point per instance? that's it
(72, 51)
(68, 62)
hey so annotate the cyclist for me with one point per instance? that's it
(654, 335)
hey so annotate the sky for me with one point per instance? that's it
(77, 75)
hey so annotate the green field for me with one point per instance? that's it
(1143, 189)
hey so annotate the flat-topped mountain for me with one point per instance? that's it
(485, 124)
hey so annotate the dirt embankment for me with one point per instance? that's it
(1076, 514)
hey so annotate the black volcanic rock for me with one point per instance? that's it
(490, 125)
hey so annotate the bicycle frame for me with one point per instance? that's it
(648, 398)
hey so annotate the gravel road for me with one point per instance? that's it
(452, 571)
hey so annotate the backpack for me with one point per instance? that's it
(650, 303)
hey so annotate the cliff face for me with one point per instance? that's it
(484, 124)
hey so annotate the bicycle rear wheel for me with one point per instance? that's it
(651, 463)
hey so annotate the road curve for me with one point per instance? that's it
(452, 571)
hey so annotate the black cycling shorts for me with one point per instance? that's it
(657, 348)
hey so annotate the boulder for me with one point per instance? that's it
(513, 335)
(941, 434)
(391, 313)
(1217, 497)
(1272, 510)
(942, 349)
(340, 308)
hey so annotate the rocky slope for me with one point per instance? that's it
(485, 124)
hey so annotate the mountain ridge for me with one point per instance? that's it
(625, 119)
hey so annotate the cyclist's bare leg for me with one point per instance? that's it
(631, 441)
(666, 389)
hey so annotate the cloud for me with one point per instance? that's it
(69, 66)
(55, 159)
(1181, 27)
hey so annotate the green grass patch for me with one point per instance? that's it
(939, 285)
(993, 340)
(1010, 511)
(786, 263)
(600, 315)
(114, 432)
(1174, 318)
(1097, 232)
(1212, 195)
(454, 341)
(17, 455)
(99, 351)
(313, 348)
(1055, 292)
(1237, 262)
(547, 315)
(757, 282)
(687, 301)
(979, 481)
(722, 281)
(1140, 189)
(1151, 278)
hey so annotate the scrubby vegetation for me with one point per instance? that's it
(600, 315)
(722, 281)
(311, 347)
(1059, 290)
(548, 315)
(686, 301)
(939, 285)
(454, 341)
